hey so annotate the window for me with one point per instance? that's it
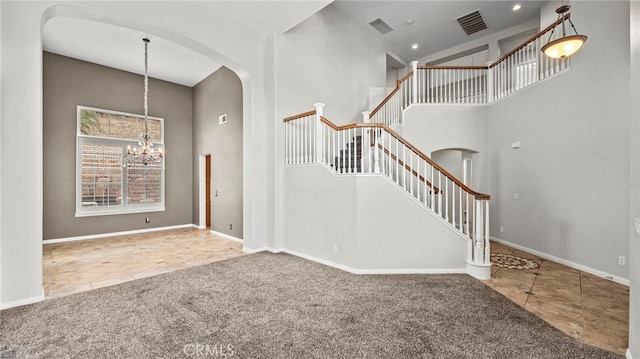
(105, 183)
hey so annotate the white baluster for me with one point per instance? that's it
(305, 147)
(389, 168)
(439, 192)
(453, 203)
(460, 209)
(363, 139)
(429, 84)
(433, 190)
(340, 150)
(286, 143)
(298, 136)
(336, 150)
(424, 183)
(446, 199)
(467, 218)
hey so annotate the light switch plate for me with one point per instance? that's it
(222, 119)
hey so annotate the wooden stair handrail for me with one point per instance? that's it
(436, 67)
(388, 98)
(531, 39)
(411, 147)
(295, 117)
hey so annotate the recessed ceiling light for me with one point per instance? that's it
(409, 22)
(517, 7)
(414, 46)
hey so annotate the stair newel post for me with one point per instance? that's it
(414, 88)
(318, 129)
(478, 233)
(487, 249)
(367, 142)
(414, 82)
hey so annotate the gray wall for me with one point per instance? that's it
(218, 94)
(69, 82)
(572, 171)
(634, 190)
(328, 59)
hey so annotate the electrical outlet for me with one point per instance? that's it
(230, 226)
(335, 248)
(516, 195)
(147, 220)
(621, 260)
(222, 119)
(501, 229)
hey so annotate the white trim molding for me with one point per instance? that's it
(115, 234)
(375, 271)
(226, 236)
(565, 262)
(628, 354)
(248, 250)
(21, 302)
(351, 270)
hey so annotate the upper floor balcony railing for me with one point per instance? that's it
(522, 67)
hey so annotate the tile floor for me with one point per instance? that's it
(591, 309)
(73, 267)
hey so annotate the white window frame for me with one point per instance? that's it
(125, 208)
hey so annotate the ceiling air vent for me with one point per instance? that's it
(381, 26)
(472, 22)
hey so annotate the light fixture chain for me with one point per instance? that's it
(146, 89)
(573, 27)
(145, 154)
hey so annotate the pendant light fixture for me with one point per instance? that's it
(567, 45)
(144, 154)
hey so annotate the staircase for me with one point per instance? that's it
(375, 149)
(372, 147)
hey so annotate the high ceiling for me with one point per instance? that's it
(430, 24)
(122, 48)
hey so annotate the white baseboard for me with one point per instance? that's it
(629, 354)
(254, 250)
(25, 301)
(373, 271)
(226, 236)
(114, 234)
(565, 262)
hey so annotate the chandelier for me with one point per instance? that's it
(566, 45)
(144, 154)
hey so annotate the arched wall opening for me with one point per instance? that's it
(152, 30)
(460, 162)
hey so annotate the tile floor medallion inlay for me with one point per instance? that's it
(510, 261)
